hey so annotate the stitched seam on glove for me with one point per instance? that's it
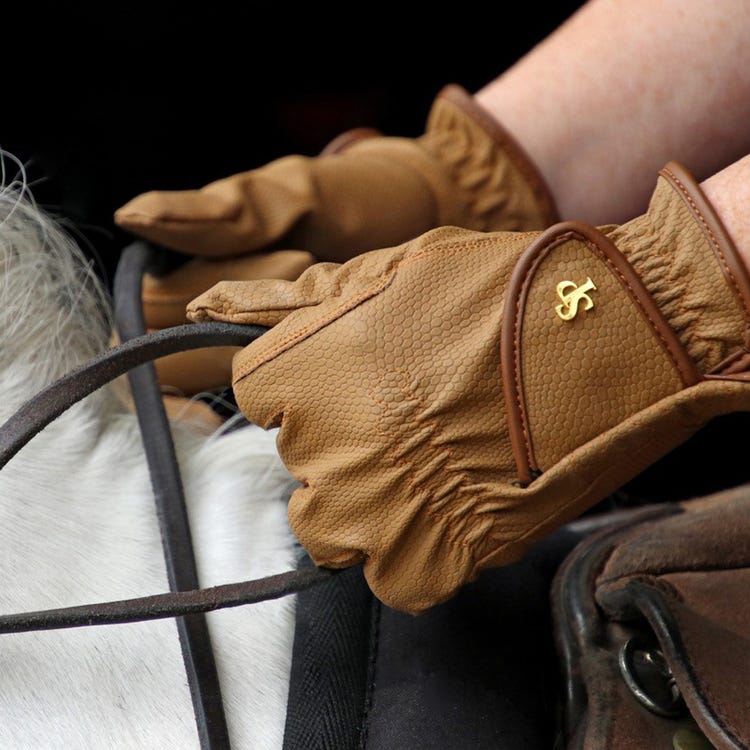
(446, 247)
(715, 244)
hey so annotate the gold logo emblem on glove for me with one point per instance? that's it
(571, 295)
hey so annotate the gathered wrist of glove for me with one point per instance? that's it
(362, 193)
(448, 401)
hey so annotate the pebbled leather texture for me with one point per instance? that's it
(439, 412)
(630, 357)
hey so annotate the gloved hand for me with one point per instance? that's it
(365, 191)
(448, 401)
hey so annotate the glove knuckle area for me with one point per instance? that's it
(419, 567)
(371, 406)
(412, 562)
(314, 521)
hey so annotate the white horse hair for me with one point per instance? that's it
(79, 526)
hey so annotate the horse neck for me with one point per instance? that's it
(79, 526)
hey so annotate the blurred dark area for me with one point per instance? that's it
(103, 101)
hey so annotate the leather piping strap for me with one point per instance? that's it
(55, 399)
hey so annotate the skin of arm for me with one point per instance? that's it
(622, 87)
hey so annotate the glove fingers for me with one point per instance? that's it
(417, 547)
(373, 195)
(197, 222)
(166, 297)
(238, 214)
(267, 301)
(327, 549)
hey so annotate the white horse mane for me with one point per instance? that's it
(79, 526)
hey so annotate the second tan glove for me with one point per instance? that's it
(361, 194)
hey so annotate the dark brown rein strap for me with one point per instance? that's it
(171, 510)
(52, 401)
(161, 606)
(186, 600)
(33, 416)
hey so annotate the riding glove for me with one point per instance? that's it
(448, 401)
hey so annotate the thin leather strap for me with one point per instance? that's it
(169, 497)
(56, 398)
(162, 606)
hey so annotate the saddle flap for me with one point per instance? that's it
(657, 643)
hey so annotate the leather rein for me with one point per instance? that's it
(186, 601)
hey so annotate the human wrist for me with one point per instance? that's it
(729, 193)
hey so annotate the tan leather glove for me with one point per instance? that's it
(448, 401)
(362, 193)
(365, 191)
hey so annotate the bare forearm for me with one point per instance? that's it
(729, 192)
(621, 88)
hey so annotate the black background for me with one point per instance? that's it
(102, 102)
